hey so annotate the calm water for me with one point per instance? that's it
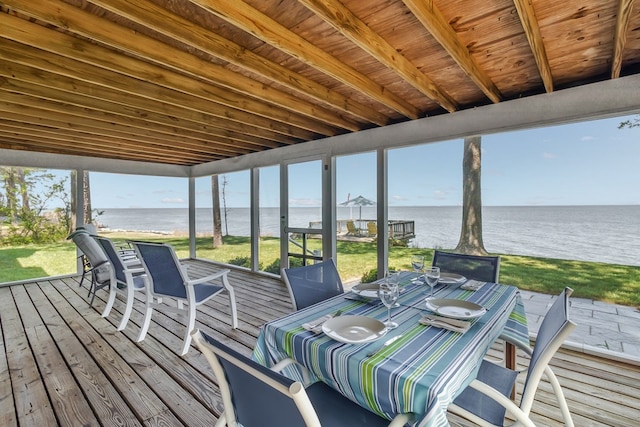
(590, 233)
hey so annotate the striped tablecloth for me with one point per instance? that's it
(421, 372)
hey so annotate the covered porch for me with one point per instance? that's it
(63, 364)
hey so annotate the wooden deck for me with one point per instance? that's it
(62, 364)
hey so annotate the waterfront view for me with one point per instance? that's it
(608, 234)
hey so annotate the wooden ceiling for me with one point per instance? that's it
(189, 82)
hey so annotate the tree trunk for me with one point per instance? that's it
(217, 221)
(10, 187)
(86, 194)
(73, 220)
(471, 232)
(24, 190)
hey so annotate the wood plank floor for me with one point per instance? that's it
(63, 364)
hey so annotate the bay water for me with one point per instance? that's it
(609, 234)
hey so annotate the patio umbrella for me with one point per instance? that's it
(358, 201)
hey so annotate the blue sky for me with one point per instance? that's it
(579, 164)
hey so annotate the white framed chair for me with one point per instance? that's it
(475, 267)
(312, 283)
(125, 278)
(487, 399)
(256, 396)
(96, 262)
(168, 279)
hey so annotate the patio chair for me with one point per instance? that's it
(486, 400)
(256, 396)
(313, 283)
(372, 229)
(126, 278)
(352, 230)
(482, 268)
(86, 265)
(96, 262)
(168, 279)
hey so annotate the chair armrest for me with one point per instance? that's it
(400, 420)
(289, 361)
(503, 400)
(208, 278)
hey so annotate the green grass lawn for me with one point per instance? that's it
(619, 284)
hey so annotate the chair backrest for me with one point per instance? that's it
(483, 268)
(90, 228)
(372, 228)
(554, 329)
(351, 227)
(312, 283)
(94, 253)
(163, 269)
(110, 249)
(252, 394)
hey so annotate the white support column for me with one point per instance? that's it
(192, 217)
(254, 214)
(382, 212)
(329, 238)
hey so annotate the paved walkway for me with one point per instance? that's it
(604, 329)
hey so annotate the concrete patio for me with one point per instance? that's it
(607, 330)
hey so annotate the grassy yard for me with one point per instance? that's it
(618, 284)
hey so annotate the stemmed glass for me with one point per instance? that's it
(432, 275)
(388, 293)
(417, 262)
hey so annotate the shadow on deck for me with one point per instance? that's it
(62, 364)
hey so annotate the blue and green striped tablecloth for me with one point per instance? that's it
(420, 373)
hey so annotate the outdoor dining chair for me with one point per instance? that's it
(474, 267)
(312, 283)
(167, 278)
(98, 262)
(486, 400)
(256, 396)
(126, 278)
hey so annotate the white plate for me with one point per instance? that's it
(455, 308)
(451, 278)
(369, 290)
(354, 329)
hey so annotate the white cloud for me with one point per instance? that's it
(549, 155)
(587, 138)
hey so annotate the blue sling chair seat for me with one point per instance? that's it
(256, 396)
(482, 268)
(169, 279)
(486, 400)
(312, 283)
(126, 277)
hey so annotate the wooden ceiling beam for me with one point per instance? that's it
(100, 141)
(81, 147)
(434, 22)
(620, 37)
(349, 25)
(243, 16)
(54, 100)
(95, 127)
(532, 31)
(111, 69)
(173, 26)
(45, 69)
(94, 27)
(25, 104)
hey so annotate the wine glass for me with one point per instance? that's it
(417, 262)
(388, 293)
(432, 275)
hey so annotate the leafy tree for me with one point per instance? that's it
(25, 210)
(635, 122)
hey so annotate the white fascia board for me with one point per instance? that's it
(600, 100)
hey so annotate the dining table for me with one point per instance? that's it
(422, 367)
